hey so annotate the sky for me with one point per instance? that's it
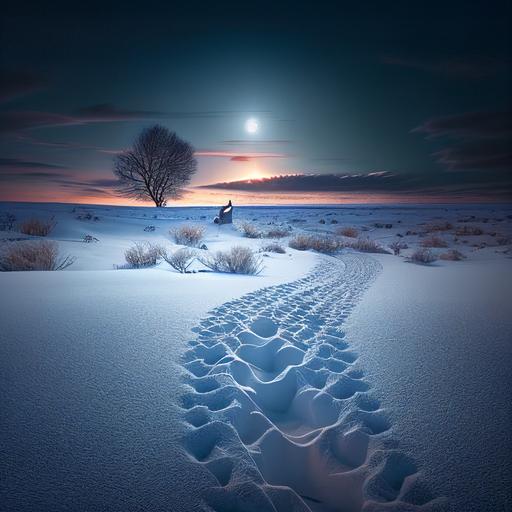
(354, 101)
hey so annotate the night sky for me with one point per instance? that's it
(392, 101)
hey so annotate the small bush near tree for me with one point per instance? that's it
(142, 254)
(33, 255)
(179, 260)
(37, 227)
(422, 256)
(188, 234)
(237, 260)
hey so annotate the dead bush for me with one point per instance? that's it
(188, 234)
(422, 256)
(469, 231)
(179, 260)
(397, 246)
(432, 227)
(237, 260)
(274, 247)
(317, 243)
(40, 255)
(503, 240)
(433, 241)
(142, 254)
(277, 232)
(249, 230)
(364, 245)
(452, 255)
(37, 227)
(348, 232)
(7, 221)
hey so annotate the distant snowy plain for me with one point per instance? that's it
(355, 382)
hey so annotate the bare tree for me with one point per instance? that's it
(158, 166)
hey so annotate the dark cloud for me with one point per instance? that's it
(469, 68)
(18, 83)
(374, 181)
(13, 169)
(15, 163)
(476, 140)
(470, 124)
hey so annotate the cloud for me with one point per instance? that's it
(475, 140)
(13, 169)
(18, 83)
(470, 124)
(469, 68)
(239, 157)
(373, 181)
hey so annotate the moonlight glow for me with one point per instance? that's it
(251, 125)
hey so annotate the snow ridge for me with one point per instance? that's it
(278, 412)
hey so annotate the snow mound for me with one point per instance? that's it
(278, 413)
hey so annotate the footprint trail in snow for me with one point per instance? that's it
(279, 414)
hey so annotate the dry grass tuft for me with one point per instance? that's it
(237, 260)
(364, 245)
(274, 247)
(179, 260)
(348, 232)
(452, 255)
(422, 256)
(37, 227)
(433, 227)
(40, 255)
(277, 232)
(249, 230)
(468, 231)
(433, 241)
(188, 234)
(143, 254)
(317, 243)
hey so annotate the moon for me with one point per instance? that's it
(251, 125)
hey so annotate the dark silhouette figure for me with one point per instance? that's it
(225, 215)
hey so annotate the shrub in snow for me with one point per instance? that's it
(432, 227)
(364, 245)
(249, 230)
(452, 255)
(433, 241)
(503, 240)
(7, 221)
(188, 234)
(237, 260)
(89, 239)
(348, 232)
(142, 254)
(149, 229)
(37, 227)
(469, 231)
(397, 246)
(179, 260)
(274, 247)
(423, 256)
(322, 244)
(277, 232)
(40, 255)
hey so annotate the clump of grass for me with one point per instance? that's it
(237, 260)
(143, 254)
(433, 241)
(348, 232)
(317, 243)
(38, 227)
(249, 230)
(277, 232)
(433, 227)
(452, 255)
(422, 256)
(365, 245)
(188, 234)
(179, 260)
(397, 246)
(274, 247)
(468, 231)
(40, 255)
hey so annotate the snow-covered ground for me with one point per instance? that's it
(296, 389)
